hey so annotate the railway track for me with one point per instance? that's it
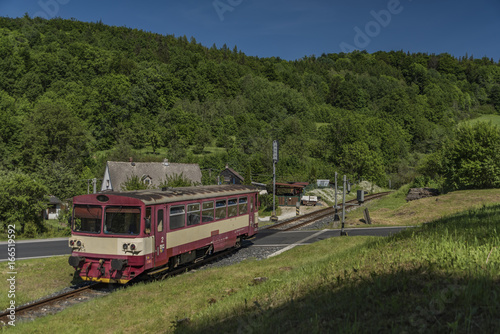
(56, 303)
(309, 218)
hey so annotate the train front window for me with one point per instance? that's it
(122, 220)
(87, 218)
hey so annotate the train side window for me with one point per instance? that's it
(147, 221)
(232, 207)
(160, 221)
(243, 205)
(193, 217)
(220, 209)
(208, 212)
(177, 216)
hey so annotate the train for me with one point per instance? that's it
(117, 237)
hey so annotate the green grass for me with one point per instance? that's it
(52, 229)
(442, 277)
(494, 119)
(319, 125)
(37, 278)
(393, 210)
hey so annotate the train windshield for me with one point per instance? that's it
(122, 220)
(87, 218)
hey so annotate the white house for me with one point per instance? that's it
(53, 208)
(151, 173)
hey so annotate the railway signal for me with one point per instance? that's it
(336, 215)
(342, 232)
(275, 160)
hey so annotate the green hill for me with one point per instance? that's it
(74, 94)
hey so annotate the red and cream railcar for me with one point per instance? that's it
(119, 236)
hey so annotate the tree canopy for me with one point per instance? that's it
(73, 94)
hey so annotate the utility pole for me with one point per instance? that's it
(336, 215)
(342, 232)
(275, 160)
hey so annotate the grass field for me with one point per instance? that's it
(440, 277)
(494, 119)
(393, 210)
(37, 278)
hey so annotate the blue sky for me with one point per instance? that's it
(292, 29)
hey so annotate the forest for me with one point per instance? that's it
(75, 94)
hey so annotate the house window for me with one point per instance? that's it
(147, 180)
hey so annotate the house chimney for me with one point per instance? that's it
(227, 166)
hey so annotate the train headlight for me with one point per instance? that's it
(132, 247)
(79, 243)
(72, 242)
(125, 246)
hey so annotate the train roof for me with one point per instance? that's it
(158, 196)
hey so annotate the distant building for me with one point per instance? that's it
(288, 194)
(323, 183)
(151, 173)
(53, 208)
(230, 176)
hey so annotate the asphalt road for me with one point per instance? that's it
(27, 249)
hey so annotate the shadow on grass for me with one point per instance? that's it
(412, 298)
(469, 225)
(418, 300)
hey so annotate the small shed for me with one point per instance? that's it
(288, 194)
(53, 208)
(230, 176)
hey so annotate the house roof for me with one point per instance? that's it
(235, 173)
(54, 200)
(292, 185)
(119, 172)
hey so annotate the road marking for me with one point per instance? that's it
(277, 245)
(295, 244)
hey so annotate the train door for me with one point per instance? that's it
(160, 237)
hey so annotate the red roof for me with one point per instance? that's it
(292, 185)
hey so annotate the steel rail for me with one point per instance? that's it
(30, 307)
(316, 215)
